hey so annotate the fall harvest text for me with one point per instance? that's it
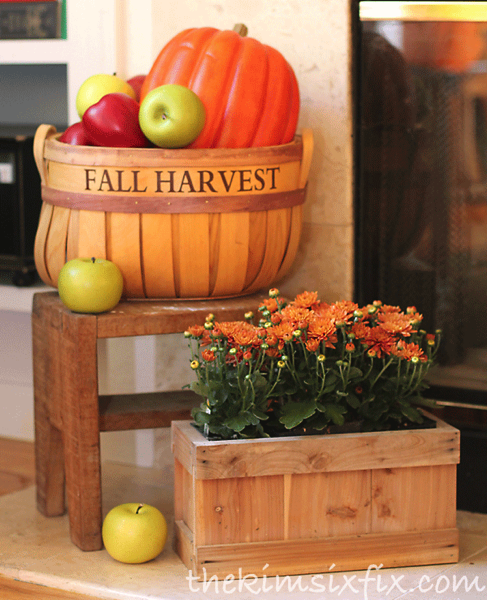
(232, 181)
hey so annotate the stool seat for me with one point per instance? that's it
(70, 413)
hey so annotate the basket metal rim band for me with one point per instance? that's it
(172, 205)
(157, 157)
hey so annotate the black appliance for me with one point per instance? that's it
(20, 203)
(421, 203)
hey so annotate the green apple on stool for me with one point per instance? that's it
(90, 285)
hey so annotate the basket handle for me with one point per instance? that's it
(43, 131)
(307, 137)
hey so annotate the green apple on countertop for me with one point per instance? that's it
(171, 116)
(95, 87)
(134, 533)
(90, 285)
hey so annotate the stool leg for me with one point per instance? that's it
(48, 438)
(81, 430)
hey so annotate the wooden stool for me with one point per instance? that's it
(70, 413)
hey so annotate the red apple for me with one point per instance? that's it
(114, 122)
(136, 82)
(76, 135)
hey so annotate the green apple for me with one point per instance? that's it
(95, 87)
(171, 116)
(90, 285)
(134, 533)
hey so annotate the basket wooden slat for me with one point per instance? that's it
(41, 241)
(157, 255)
(93, 241)
(56, 241)
(233, 232)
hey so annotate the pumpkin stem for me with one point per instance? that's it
(241, 29)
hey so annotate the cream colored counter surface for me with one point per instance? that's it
(36, 549)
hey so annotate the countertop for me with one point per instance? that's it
(38, 549)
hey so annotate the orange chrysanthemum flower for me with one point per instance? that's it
(208, 355)
(312, 345)
(396, 323)
(297, 315)
(323, 329)
(379, 341)
(228, 328)
(273, 353)
(196, 330)
(271, 304)
(206, 338)
(245, 335)
(360, 330)
(408, 351)
(279, 334)
(386, 308)
(306, 300)
(339, 312)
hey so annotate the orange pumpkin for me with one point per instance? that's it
(249, 91)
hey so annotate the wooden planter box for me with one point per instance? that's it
(303, 504)
(185, 223)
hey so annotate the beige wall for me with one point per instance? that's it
(314, 36)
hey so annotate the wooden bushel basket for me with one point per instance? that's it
(186, 223)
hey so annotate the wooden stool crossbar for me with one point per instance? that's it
(70, 413)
